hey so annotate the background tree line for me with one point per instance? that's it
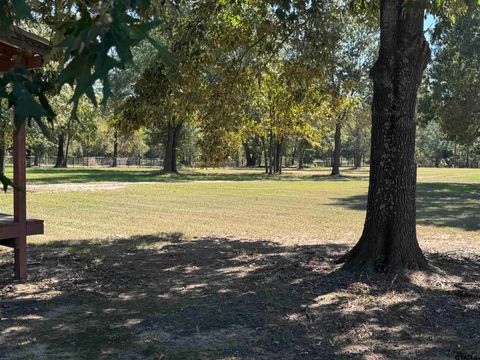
(249, 87)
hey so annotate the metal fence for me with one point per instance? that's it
(88, 161)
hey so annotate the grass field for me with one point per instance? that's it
(298, 207)
(233, 264)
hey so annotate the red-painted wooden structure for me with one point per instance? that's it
(24, 49)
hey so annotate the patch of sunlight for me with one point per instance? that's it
(132, 322)
(327, 299)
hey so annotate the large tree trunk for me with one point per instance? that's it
(389, 240)
(60, 152)
(170, 160)
(337, 149)
(250, 155)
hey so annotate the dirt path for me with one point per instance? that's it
(115, 185)
(91, 186)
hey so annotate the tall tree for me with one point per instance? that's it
(451, 94)
(354, 55)
(389, 239)
(90, 41)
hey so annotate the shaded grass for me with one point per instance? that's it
(454, 205)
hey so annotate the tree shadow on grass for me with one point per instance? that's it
(438, 204)
(159, 297)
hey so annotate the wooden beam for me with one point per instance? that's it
(20, 203)
(5, 64)
(26, 41)
(9, 230)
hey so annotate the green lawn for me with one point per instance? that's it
(149, 174)
(298, 207)
(202, 266)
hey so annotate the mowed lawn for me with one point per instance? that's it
(298, 207)
(231, 264)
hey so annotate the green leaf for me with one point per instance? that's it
(6, 182)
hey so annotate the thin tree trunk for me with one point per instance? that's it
(115, 149)
(455, 155)
(358, 149)
(170, 160)
(265, 154)
(67, 146)
(2, 146)
(270, 154)
(389, 240)
(176, 140)
(60, 151)
(358, 156)
(278, 156)
(468, 157)
(337, 149)
(301, 153)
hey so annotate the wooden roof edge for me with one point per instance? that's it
(26, 40)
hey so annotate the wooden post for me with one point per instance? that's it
(20, 203)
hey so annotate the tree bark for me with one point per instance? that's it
(337, 149)
(358, 151)
(270, 154)
(265, 154)
(468, 157)
(357, 158)
(115, 149)
(250, 155)
(60, 152)
(389, 240)
(170, 160)
(67, 146)
(301, 153)
(278, 156)
(2, 146)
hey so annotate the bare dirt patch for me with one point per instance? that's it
(77, 187)
(159, 297)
